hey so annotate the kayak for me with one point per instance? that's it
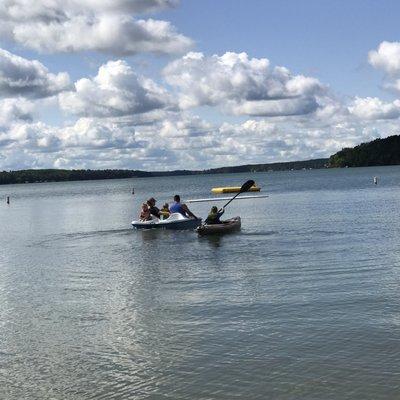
(174, 221)
(233, 189)
(230, 225)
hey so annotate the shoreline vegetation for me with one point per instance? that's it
(62, 175)
(378, 152)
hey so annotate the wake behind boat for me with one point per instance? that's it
(175, 221)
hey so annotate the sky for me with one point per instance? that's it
(169, 84)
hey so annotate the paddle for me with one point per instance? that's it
(245, 187)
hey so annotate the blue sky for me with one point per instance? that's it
(163, 84)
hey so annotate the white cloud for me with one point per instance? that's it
(331, 111)
(104, 26)
(22, 77)
(184, 127)
(128, 121)
(374, 108)
(29, 139)
(89, 133)
(179, 141)
(49, 10)
(386, 57)
(242, 85)
(133, 6)
(12, 110)
(115, 34)
(259, 141)
(275, 108)
(259, 128)
(115, 91)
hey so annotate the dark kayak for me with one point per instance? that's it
(230, 225)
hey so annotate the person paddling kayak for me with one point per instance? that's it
(214, 216)
(178, 207)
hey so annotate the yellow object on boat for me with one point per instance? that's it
(233, 189)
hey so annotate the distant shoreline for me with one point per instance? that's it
(64, 175)
(378, 152)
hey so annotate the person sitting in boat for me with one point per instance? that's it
(152, 207)
(165, 211)
(145, 213)
(214, 216)
(178, 207)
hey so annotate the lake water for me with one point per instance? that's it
(303, 303)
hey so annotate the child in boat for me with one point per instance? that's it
(214, 216)
(165, 211)
(145, 213)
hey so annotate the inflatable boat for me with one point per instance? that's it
(233, 189)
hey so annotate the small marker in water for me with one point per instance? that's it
(8, 199)
(133, 190)
(375, 180)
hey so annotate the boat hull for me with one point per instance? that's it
(175, 222)
(228, 226)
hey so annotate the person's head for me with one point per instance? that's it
(151, 201)
(165, 206)
(145, 207)
(214, 209)
(177, 198)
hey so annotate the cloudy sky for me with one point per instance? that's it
(167, 84)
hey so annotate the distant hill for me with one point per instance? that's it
(59, 175)
(282, 166)
(378, 152)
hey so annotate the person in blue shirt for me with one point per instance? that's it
(178, 207)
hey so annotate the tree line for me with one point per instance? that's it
(60, 175)
(377, 152)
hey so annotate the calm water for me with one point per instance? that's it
(303, 303)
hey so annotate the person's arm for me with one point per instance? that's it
(219, 215)
(188, 212)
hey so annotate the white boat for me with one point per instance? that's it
(229, 225)
(174, 221)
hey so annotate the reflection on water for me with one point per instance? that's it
(301, 304)
(214, 241)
